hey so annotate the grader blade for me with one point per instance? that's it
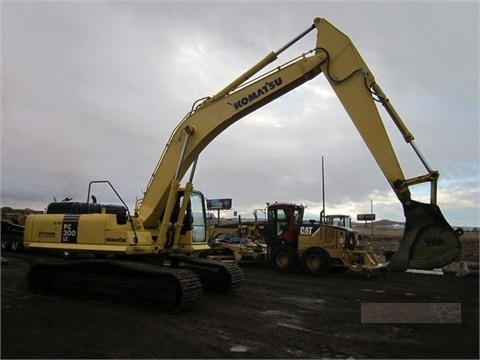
(428, 240)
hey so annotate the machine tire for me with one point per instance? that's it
(5, 245)
(284, 259)
(315, 261)
(16, 245)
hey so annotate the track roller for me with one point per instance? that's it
(216, 276)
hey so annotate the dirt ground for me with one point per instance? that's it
(272, 316)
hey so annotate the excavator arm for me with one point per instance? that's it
(428, 241)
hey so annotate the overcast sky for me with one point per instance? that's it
(93, 90)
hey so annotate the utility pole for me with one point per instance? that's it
(322, 214)
(371, 212)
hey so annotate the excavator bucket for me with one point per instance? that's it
(428, 240)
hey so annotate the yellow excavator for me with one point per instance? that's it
(169, 222)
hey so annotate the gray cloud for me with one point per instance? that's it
(93, 90)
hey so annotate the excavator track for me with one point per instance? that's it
(216, 276)
(166, 289)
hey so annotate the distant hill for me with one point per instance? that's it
(383, 222)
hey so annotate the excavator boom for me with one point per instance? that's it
(428, 241)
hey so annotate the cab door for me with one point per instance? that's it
(283, 227)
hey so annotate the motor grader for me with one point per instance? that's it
(287, 243)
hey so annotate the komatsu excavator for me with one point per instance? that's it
(169, 221)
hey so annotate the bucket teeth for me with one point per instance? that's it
(428, 241)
